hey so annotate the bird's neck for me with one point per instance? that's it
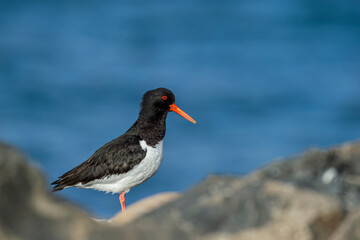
(150, 128)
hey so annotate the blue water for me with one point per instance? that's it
(263, 79)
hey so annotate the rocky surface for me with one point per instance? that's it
(232, 208)
(143, 207)
(313, 196)
(335, 172)
(29, 211)
(350, 228)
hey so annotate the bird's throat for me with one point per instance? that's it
(151, 128)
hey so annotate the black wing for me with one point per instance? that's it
(115, 157)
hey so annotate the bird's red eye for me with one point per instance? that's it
(164, 97)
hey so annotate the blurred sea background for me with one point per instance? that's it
(263, 79)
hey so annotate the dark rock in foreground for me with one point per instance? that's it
(28, 211)
(306, 197)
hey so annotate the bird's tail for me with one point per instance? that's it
(59, 185)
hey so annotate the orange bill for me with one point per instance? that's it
(176, 109)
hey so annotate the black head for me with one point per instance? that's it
(157, 103)
(158, 100)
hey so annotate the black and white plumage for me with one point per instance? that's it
(132, 158)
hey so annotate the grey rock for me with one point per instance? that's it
(335, 172)
(28, 211)
(234, 208)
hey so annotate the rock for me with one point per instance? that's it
(28, 211)
(350, 228)
(142, 207)
(233, 208)
(335, 172)
(296, 214)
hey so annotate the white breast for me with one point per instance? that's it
(139, 174)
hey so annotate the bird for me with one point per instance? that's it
(132, 158)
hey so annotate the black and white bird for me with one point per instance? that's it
(132, 158)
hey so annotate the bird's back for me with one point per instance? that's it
(114, 158)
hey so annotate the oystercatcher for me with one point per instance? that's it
(132, 158)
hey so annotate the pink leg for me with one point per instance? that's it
(122, 201)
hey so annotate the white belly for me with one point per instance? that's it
(139, 174)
